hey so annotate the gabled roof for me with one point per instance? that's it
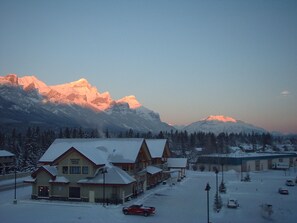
(114, 175)
(51, 170)
(98, 150)
(177, 162)
(156, 147)
(96, 156)
(59, 179)
(153, 169)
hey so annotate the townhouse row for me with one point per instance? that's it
(103, 170)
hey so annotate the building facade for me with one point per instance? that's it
(6, 162)
(95, 170)
(246, 162)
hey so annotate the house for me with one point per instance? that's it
(159, 150)
(177, 165)
(6, 161)
(94, 170)
(245, 162)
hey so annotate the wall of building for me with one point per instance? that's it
(60, 191)
(6, 164)
(113, 194)
(249, 165)
(75, 159)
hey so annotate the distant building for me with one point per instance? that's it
(245, 162)
(6, 161)
(159, 150)
(178, 165)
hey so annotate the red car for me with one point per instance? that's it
(139, 210)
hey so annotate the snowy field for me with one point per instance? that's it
(182, 202)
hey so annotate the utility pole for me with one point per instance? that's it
(207, 189)
(15, 181)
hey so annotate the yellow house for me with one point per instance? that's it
(94, 170)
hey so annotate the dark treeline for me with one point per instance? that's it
(30, 145)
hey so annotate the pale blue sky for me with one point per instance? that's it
(183, 59)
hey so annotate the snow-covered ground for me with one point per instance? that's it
(183, 202)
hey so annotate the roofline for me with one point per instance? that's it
(71, 149)
(40, 169)
(106, 184)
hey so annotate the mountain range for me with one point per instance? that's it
(219, 123)
(28, 101)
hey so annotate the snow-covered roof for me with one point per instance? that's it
(177, 162)
(114, 175)
(51, 169)
(153, 169)
(29, 180)
(199, 149)
(59, 179)
(100, 151)
(4, 153)
(156, 147)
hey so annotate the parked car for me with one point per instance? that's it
(290, 183)
(232, 203)
(282, 190)
(139, 210)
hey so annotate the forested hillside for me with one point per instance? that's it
(29, 146)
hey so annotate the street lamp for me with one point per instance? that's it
(222, 172)
(15, 181)
(103, 171)
(207, 189)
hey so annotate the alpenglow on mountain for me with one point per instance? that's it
(219, 123)
(27, 100)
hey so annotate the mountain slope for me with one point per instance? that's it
(29, 100)
(218, 124)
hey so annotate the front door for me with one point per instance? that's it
(43, 191)
(74, 192)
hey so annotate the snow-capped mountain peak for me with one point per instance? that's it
(220, 118)
(131, 100)
(29, 82)
(220, 123)
(27, 99)
(10, 79)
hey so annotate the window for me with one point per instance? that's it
(85, 170)
(65, 169)
(75, 170)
